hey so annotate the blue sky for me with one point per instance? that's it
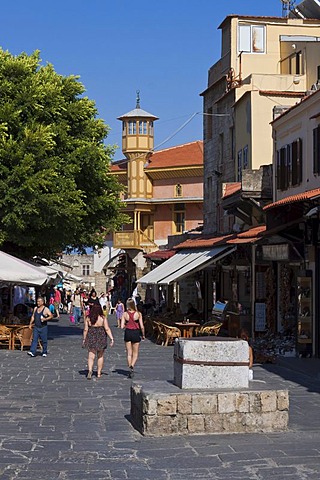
(163, 48)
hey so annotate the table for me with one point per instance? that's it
(187, 328)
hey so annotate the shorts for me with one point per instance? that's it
(132, 336)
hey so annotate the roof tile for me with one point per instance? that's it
(299, 197)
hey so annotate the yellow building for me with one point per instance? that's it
(267, 64)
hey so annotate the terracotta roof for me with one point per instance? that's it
(249, 236)
(299, 197)
(231, 188)
(188, 154)
(181, 155)
(282, 93)
(160, 254)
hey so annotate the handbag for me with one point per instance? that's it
(71, 318)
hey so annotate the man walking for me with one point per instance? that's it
(41, 315)
(76, 306)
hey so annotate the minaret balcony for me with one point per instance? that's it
(133, 239)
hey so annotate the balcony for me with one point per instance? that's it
(134, 239)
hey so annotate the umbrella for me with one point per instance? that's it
(17, 272)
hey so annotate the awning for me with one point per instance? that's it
(183, 264)
(15, 271)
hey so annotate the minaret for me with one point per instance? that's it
(137, 146)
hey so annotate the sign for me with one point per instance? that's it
(260, 317)
(275, 252)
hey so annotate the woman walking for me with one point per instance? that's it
(132, 323)
(119, 312)
(95, 333)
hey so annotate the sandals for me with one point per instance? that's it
(89, 375)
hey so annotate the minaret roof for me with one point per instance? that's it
(138, 112)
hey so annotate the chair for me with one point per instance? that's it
(112, 308)
(209, 328)
(5, 336)
(24, 336)
(169, 334)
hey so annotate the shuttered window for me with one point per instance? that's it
(316, 150)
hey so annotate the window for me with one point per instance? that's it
(85, 270)
(251, 38)
(179, 218)
(143, 128)
(209, 124)
(316, 150)
(132, 127)
(289, 165)
(245, 160)
(178, 190)
(150, 128)
(239, 166)
(296, 153)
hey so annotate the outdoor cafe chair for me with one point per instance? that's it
(209, 328)
(23, 335)
(5, 336)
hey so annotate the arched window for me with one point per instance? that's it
(178, 190)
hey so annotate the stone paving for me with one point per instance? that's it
(55, 424)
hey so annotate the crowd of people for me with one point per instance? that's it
(95, 310)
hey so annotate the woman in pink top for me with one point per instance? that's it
(132, 323)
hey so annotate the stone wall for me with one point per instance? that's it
(160, 408)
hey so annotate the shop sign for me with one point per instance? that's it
(275, 252)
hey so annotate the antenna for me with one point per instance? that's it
(287, 6)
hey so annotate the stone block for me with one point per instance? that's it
(167, 405)
(211, 363)
(155, 425)
(226, 402)
(213, 423)
(184, 404)
(283, 400)
(195, 423)
(234, 422)
(149, 405)
(204, 404)
(242, 402)
(268, 401)
(254, 402)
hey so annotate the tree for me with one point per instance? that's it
(55, 187)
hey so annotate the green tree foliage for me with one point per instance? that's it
(55, 187)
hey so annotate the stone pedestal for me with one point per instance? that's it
(161, 408)
(211, 363)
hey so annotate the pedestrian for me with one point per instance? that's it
(132, 323)
(93, 298)
(119, 312)
(40, 316)
(104, 302)
(69, 301)
(244, 335)
(57, 301)
(95, 334)
(76, 306)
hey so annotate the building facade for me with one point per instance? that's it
(267, 64)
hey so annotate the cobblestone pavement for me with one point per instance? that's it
(55, 424)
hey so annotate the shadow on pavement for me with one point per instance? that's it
(304, 371)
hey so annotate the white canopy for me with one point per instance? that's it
(184, 263)
(16, 271)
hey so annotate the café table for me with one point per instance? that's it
(187, 328)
